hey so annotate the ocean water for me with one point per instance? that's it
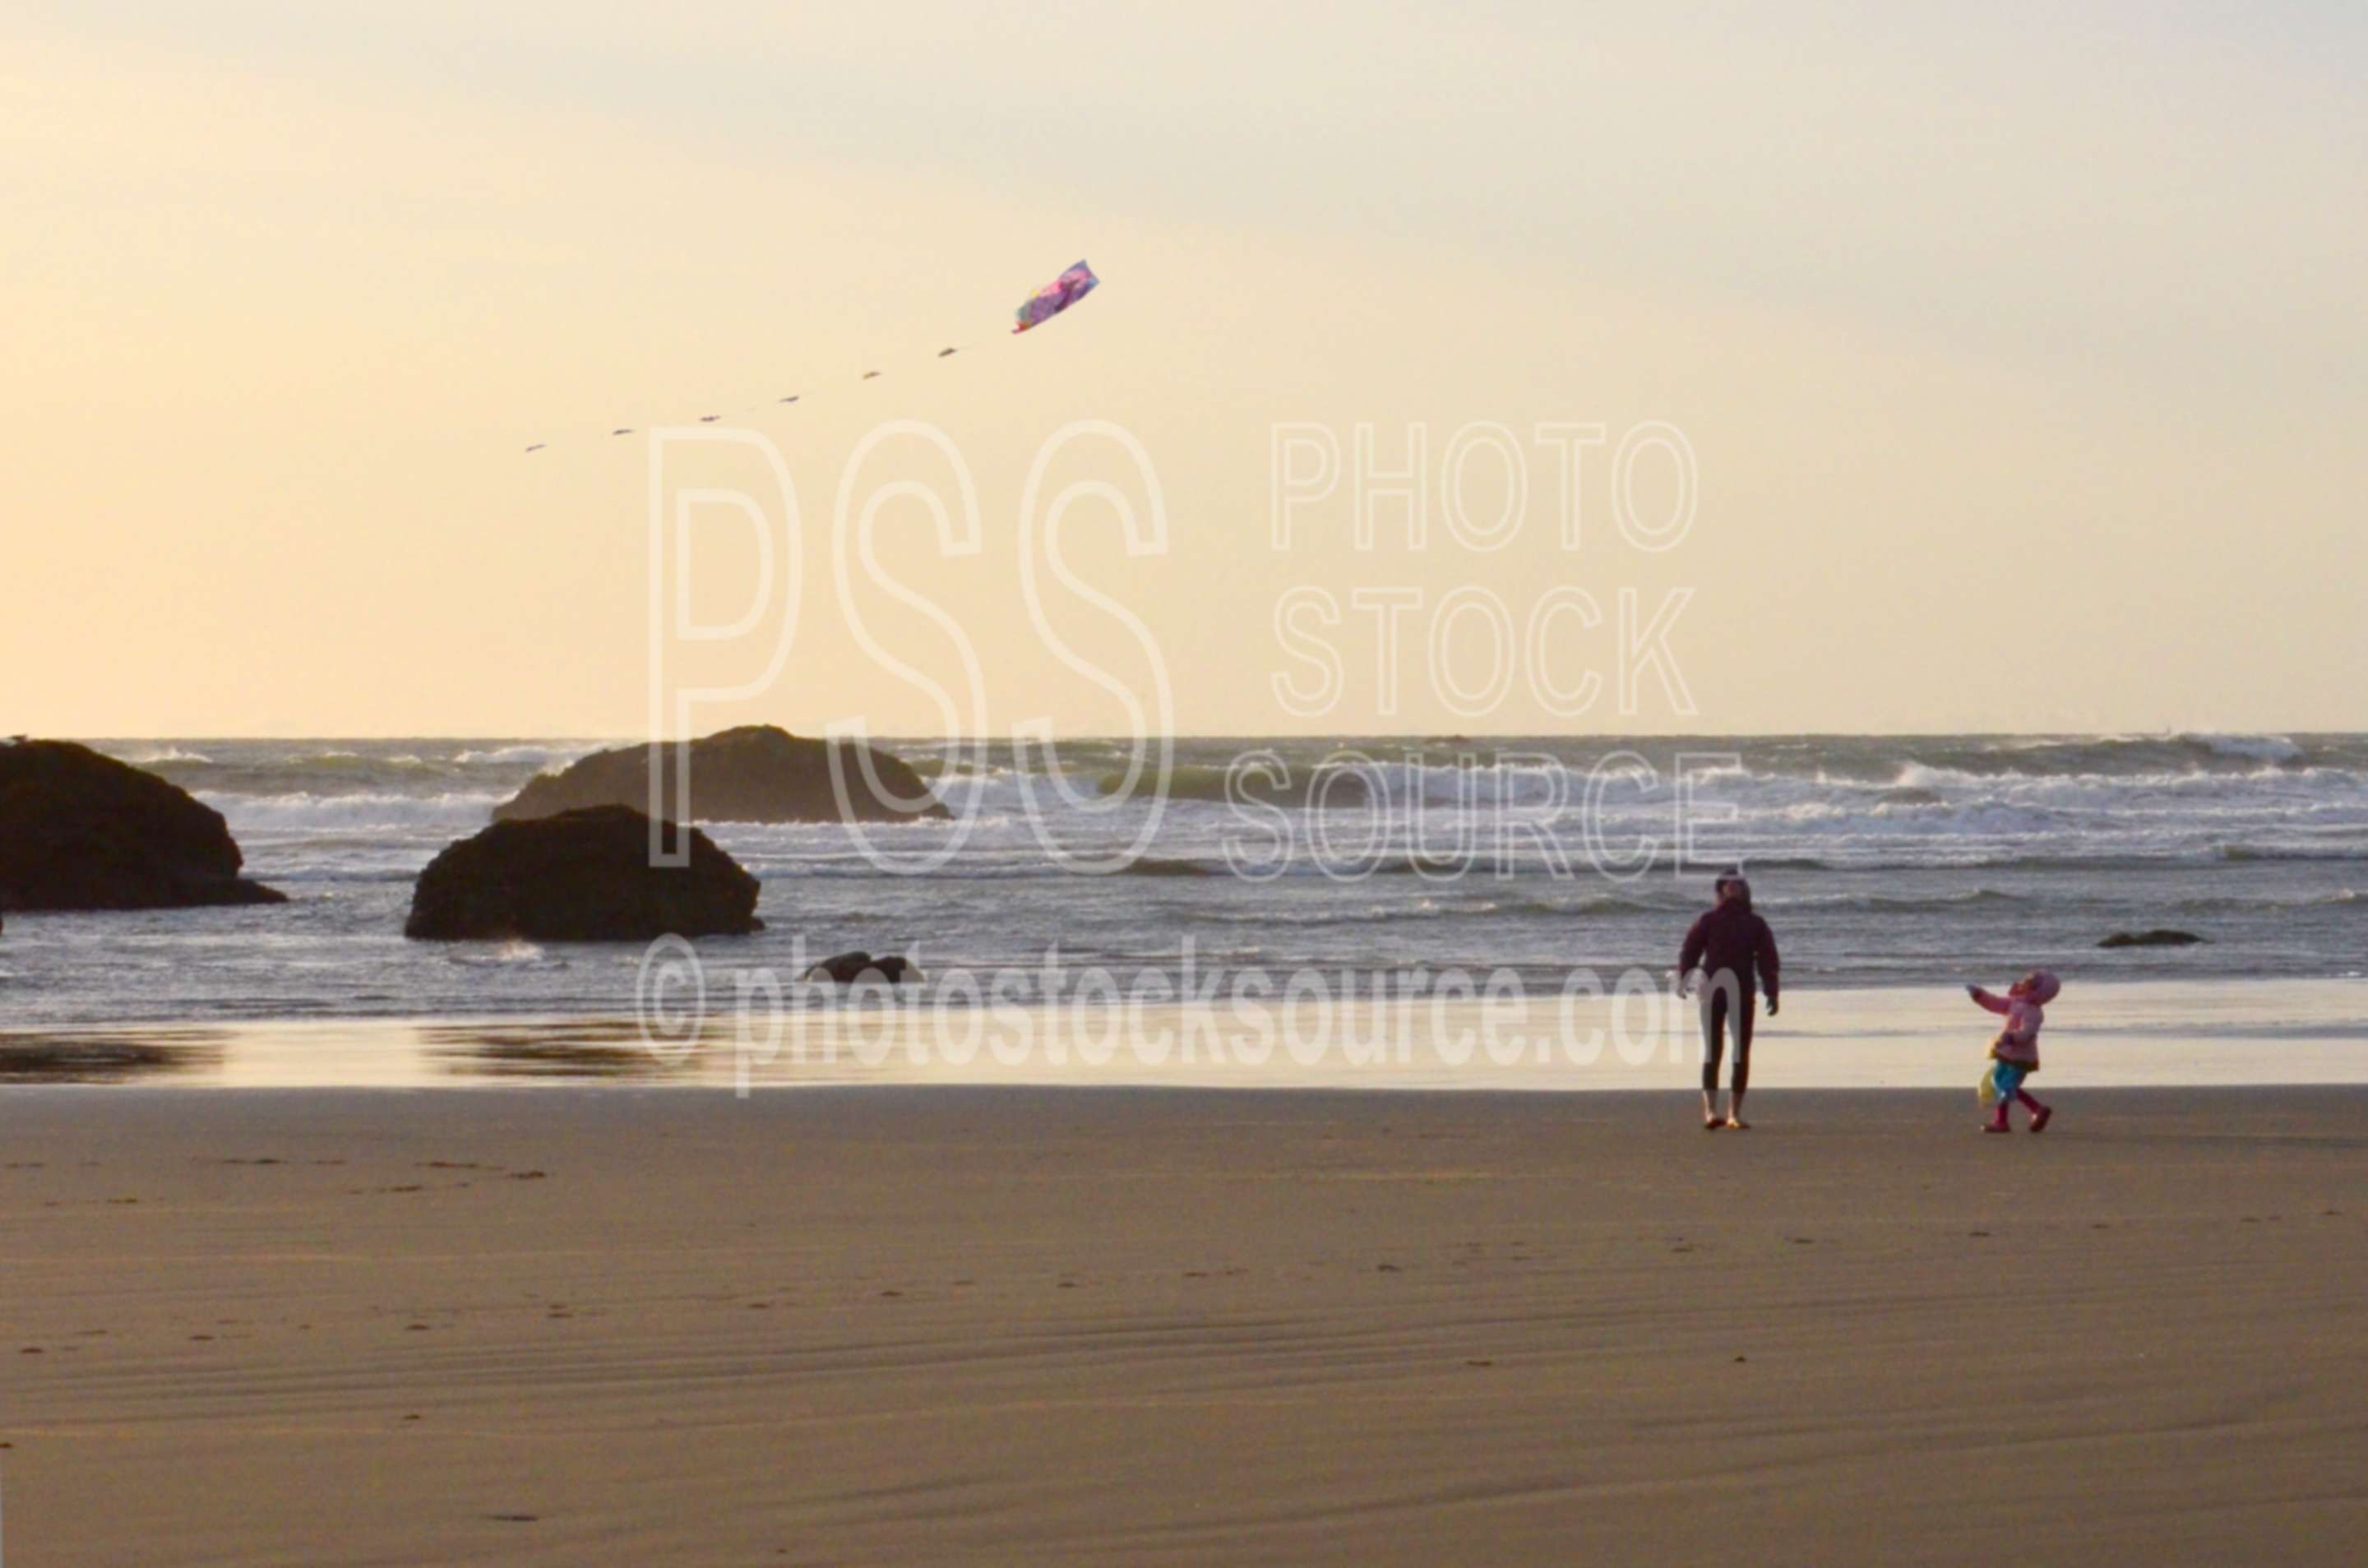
(1881, 861)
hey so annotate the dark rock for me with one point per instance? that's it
(756, 773)
(2160, 936)
(847, 968)
(83, 831)
(582, 876)
(1166, 866)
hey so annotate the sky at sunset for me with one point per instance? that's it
(2019, 353)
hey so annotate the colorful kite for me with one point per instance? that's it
(1057, 296)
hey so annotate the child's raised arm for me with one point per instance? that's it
(1983, 999)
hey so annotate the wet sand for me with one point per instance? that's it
(2142, 1034)
(577, 1324)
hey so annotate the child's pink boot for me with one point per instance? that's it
(1997, 1124)
(2039, 1115)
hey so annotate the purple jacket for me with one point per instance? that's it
(1729, 936)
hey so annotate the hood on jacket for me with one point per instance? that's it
(2043, 985)
(1733, 880)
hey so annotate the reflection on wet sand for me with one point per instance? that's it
(108, 1056)
(591, 1048)
(2146, 1033)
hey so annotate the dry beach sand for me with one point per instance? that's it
(615, 1326)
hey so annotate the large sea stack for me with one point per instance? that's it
(756, 773)
(582, 876)
(79, 830)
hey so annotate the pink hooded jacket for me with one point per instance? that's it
(2022, 1005)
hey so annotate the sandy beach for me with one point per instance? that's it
(975, 1325)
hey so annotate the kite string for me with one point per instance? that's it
(1056, 296)
(945, 353)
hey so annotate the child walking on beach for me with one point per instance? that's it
(2014, 1055)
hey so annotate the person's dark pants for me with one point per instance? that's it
(1726, 1008)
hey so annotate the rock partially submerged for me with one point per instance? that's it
(582, 876)
(756, 773)
(79, 830)
(2160, 936)
(847, 968)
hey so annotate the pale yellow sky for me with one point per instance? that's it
(2021, 364)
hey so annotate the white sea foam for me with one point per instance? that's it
(2260, 748)
(543, 751)
(153, 755)
(345, 814)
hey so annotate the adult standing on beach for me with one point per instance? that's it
(1736, 952)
